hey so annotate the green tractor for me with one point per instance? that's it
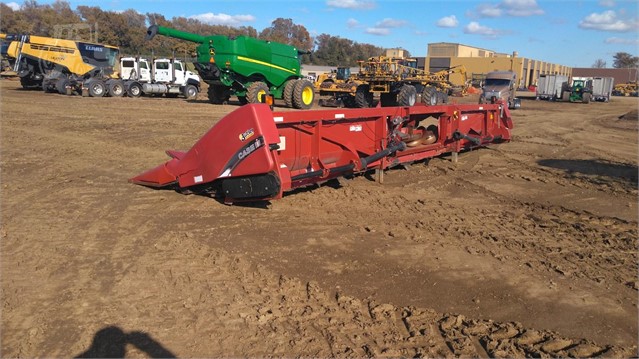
(581, 91)
(246, 67)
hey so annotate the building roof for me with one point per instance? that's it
(621, 76)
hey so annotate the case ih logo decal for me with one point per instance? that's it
(242, 153)
(250, 149)
(246, 135)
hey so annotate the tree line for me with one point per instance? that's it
(127, 30)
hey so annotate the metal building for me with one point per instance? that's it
(479, 61)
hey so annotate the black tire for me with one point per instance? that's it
(429, 96)
(303, 94)
(388, 99)
(442, 97)
(363, 96)
(190, 92)
(565, 96)
(287, 96)
(586, 97)
(61, 85)
(116, 88)
(349, 101)
(134, 89)
(97, 88)
(218, 94)
(407, 96)
(256, 91)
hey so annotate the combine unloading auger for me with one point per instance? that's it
(255, 154)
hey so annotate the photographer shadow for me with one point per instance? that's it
(110, 342)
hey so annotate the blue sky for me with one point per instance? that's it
(573, 33)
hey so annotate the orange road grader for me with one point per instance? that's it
(254, 154)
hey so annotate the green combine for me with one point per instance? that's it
(246, 67)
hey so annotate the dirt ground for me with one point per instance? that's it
(528, 248)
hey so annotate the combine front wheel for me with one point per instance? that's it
(303, 94)
(256, 91)
(218, 94)
(288, 92)
(61, 85)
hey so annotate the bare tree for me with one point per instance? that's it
(599, 64)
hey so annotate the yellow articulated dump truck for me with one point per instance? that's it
(63, 65)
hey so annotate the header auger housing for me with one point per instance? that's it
(246, 67)
(255, 154)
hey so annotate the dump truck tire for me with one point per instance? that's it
(407, 96)
(97, 88)
(289, 87)
(363, 97)
(134, 89)
(190, 92)
(429, 96)
(256, 91)
(303, 94)
(116, 88)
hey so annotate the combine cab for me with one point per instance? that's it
(254, 154)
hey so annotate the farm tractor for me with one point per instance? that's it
(580, 91)
(396, 81)
(247, 68)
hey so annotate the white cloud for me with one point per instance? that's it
(474, 28)
(390, 23)
(521, 8)
(380, 31)
(617, 40)
(488, 10)
(607, 3)
(448, 21)
(608, 21)
(351, 4)
(517, 8)
(352, 23)
(13, 5)
(223, 19)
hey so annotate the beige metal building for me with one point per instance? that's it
(480, 61)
